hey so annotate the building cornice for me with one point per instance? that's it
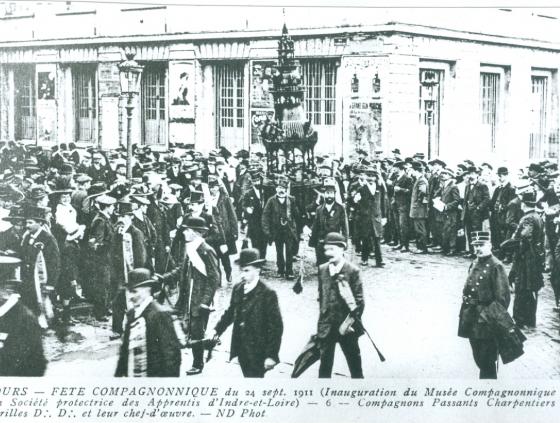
(349, 31)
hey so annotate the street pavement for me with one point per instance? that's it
(411, 311)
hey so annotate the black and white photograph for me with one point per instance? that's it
(311, 195)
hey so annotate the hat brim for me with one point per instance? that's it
(61, 192)
(148, 283)
(338, 244)
(195, 228)
(256, 263)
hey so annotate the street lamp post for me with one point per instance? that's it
(129, 72)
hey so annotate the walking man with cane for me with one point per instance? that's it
(339, 316)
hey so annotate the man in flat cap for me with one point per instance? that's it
(150, 346)
(198, 277)
(487, 283)
(256, 318)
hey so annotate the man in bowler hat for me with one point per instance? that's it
(335, 277)
(150, 346)
(256, 318)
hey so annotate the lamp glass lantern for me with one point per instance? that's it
(130, 72)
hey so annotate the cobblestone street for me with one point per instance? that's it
(411, 312)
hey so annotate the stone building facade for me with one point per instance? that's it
(419, 88)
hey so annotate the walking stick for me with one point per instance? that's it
(381, 356)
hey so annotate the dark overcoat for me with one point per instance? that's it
(228, 218)
(487, 282)
(419, 199)
(162, 347)
(254, 219)
(369, 212)
(477, 202)
(257, 324)
(275, 221)
(21, 352)
(193, 284)
(326, 221)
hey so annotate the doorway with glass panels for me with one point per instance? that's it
(85, 103)
(229, 83)
(154, 104)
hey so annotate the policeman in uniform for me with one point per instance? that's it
(487, 282)
(21, 348)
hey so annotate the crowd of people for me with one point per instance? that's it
(86, 234)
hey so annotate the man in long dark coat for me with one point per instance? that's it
(252, 204)
(487, 282)
(198, 277)
(21, 348)
(150, 346)
(129, 252)
(402, 191)
(370, 217)
(38, 241)
(450, 198)
(100, 245)
(419, 207)
(279, 222)
(528, 263)
(256, 318)
(476, 204)
(220, 200)
(501, 197)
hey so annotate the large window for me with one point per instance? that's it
(319, 81)
(543, 115)
(489, 106)
(230, 103)
(85, 105)
(231, 87)
(25, 102)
